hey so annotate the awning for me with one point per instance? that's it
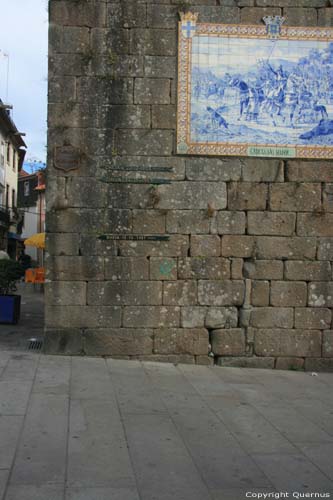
(36, 240)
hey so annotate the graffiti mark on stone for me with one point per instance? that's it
(166, 267)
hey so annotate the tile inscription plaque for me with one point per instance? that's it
(255, 90)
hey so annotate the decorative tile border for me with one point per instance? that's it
(188, 31)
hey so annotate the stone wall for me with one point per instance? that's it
(246, 274)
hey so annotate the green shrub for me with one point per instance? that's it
(10, 272)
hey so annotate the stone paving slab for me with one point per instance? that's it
(319, 454)
(161, 460)
(20, 368)
(293, 473)
(41, 453)
(4, 474)
(10, 426)
(31, 492)
(294, 426)
(102, 494)
(96, 429)
(14, 397)
(86, 386)
(97, 450)
(53, 376)
(318, 412)
(134, 391)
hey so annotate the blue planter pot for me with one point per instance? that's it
(10, 306)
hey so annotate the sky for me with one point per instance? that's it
(23, 35)
(220, 54)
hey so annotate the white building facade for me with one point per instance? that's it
(28, 205)
(12, 152)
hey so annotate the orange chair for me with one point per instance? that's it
(30, 275)
(40, 275)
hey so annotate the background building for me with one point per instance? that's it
(31, 203)
(11, 160)
(27, 202)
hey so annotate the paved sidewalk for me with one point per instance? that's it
(96, 429)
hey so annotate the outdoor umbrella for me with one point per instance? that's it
(36, 240)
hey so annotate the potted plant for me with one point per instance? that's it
(10, 272)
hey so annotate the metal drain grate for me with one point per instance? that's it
(35, 344)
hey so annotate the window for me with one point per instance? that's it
(8, 152)
(26, 188)
(14, 160)
(2, 154)
(13, 198)
(7, 195)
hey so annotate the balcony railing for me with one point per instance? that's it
(15, 215)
